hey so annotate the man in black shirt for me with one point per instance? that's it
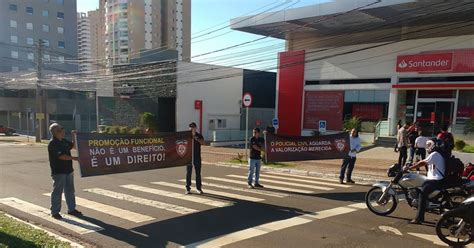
(60, 161)
(270, 129)
(255, 161)
(198, 140)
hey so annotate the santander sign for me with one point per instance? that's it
(433, 62)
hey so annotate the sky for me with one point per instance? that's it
(216, 14)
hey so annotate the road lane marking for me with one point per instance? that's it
(299, 176)
(142, 201)
(241, 182)
(214, 192)
(434, 239)
(389, 229)
(111, 210)
(253, 191)
(183, 197)
(266, 228)
(286, 183)
(69, 222)
(307, 181)
(54, 235)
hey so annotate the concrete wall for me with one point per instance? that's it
(377, 62)
(220, 89)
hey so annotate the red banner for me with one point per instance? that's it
(297, 148)
(323, 105)
(101, 154)
(425, 62)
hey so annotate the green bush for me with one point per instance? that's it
(469, 127)
(459, 144)
(351, 123)
(148, 120)
(135, 130)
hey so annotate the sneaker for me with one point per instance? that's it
(187, 192)
(350, 181)
(415, 222)
(257, 185)
(251, 186)
(75, 213)
(341, 181)
(200, 191)
(57, 216)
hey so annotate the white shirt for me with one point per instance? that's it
(420, 142)
(436, 166)
(355, 145)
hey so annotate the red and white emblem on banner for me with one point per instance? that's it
(181, 147)
(340, 144)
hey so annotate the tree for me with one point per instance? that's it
(149, 121)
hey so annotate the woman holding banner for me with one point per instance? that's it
(349, 161)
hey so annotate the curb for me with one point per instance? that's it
(360, 178)
(51, 234)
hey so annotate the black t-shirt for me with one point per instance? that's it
(255, 154)
(56, 148)
(270, 129)
(197, 147)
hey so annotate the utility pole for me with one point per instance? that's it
(39, 102)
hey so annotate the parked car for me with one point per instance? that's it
(8, 131)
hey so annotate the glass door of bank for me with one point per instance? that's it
(443, 114)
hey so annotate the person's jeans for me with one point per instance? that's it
(427, 188)
(254, 167)
(63, 182)
(189, 172)
(402, 157)
(348, 163)
(412, 153)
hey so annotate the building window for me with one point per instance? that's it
(14, 54)
(45, 28)
(46, 43)
(61, 59)
(15, 69)
(14, 39)
(45, 1)
(31, 56)
(60, 30)
(60, 2)
(13, 24)
(61, 44)
(13, 7)
(45, 13)
(30, 41)
(47, 57)
(29, 10)
(221, 123)
(60, 15)
(29, 26)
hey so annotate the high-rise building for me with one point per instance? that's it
(25, 22)
(84, 43)
(135, 25)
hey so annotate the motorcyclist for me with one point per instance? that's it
(436, 170)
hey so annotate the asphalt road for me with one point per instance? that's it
(149, 209)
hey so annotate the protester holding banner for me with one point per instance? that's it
(60, 161)
(198, 140)
(349, 161)
(255, 161)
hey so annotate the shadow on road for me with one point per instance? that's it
(200, 226)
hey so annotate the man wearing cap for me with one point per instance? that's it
(198, 140)
(60, 161)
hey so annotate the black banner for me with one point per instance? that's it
(299, 148)
(101, 154)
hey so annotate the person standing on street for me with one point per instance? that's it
(60, 161)
(349, 161)
(270, 129)
(198, 140)
(412, 135)
(447, 138)
(399, 125)
(402, 143)
(420, 147)
(255, 161)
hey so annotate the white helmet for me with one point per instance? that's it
(430, 144)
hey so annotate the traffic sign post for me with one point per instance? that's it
(275, 123)
(322, 126)
(247, 102)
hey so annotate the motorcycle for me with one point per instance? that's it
(455, 226)
(382, 198)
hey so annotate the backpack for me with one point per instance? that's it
(454, 169)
